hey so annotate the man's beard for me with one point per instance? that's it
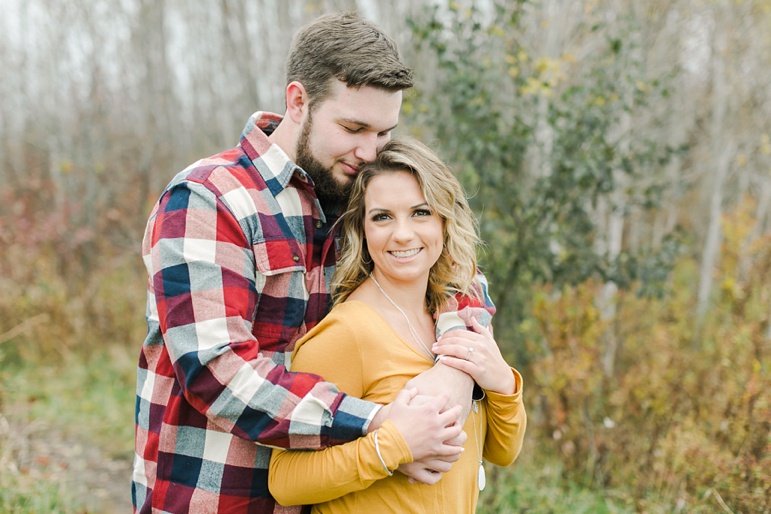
(330, 192)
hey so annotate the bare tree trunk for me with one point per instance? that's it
(238, 42)
(159, 100)
(721, 157)
(615, 221)
(763, 209)
(607, 300)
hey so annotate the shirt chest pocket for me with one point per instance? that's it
(278, 256)
(283, 298)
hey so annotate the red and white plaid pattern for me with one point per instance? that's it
(233, 283)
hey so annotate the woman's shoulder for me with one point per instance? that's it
(357, 316)
(346, 323)
(352, 312)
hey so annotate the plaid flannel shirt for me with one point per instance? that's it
(239, 259)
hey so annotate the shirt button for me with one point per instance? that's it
(317, 224)
(296, 258)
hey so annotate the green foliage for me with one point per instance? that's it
(538, 142)
(675, 422)
(71, 317)
(678, 422)
(92, 393)
(51, 308)
(535, 485)
(77, 414)
(34, 498)
(623, 404)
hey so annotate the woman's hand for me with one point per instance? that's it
(477, 354)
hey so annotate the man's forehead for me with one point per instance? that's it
(365, 106)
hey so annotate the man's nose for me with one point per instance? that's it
(366, 151)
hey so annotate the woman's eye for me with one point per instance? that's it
(351, 130)
(379, 217)
(422, 212)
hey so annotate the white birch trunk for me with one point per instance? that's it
(762, 210)
(720, 157)
(613, 235)
(544, 134)
(608, 298)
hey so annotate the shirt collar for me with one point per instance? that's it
(270, 159)
(273, 164)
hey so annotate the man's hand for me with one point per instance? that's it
(426, 424)
(430, 470)
(441, 381)
(438, 387)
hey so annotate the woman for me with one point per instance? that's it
(409, 241)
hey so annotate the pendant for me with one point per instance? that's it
(481, 480)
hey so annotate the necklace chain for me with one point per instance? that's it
(414, 332)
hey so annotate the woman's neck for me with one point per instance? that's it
(408, 295)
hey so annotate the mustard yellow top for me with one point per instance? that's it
(355, 348)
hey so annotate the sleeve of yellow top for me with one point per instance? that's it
(506, 423)
(305, 477)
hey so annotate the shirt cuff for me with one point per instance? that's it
(352, 418)
(509, 398)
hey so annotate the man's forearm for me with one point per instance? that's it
(378, 419)
(441, 378)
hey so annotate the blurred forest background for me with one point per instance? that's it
(618, 155)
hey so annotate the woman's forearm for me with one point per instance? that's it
(306, 477)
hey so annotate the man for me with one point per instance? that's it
(239, 252)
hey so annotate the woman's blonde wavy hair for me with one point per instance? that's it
(455, 270)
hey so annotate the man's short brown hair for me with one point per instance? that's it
(346, 47)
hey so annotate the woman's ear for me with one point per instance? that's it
(296, 101)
